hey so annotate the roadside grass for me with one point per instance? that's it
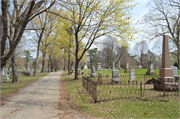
(121, 108)
(9, 87)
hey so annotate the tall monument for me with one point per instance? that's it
(166, 71)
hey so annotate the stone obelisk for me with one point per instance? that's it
(165, 71)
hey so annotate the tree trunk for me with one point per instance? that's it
(64, 64)
(36, 60)
(14, 69)
(51, 65)
(43, 62)
(48, 65)
(69, 70)
(40, 37)
(76, 69)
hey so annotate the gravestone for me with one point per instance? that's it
(85, 66)
(148, 59)
(150, 70)
(100, 81)
(93, 74)
(175, 72)
(99, 67)
(140, 67)
(3, 71)
(105, 69)
(114, 66)
(115, 76)
(132, 75)
(127, 67)
(5, 76)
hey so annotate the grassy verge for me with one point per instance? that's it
(9, 87)
(121, 108)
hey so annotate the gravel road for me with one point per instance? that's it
(40, 100)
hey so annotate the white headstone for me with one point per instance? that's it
(132, 74)
(99, 67)
(151, 67)
(114, 66)
(175, 70)
(85, 66)
(3, 71)
(5, 76)
(115, 76)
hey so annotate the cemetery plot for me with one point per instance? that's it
(126, 89)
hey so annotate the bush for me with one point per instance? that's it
(82, 67)
(176, 64)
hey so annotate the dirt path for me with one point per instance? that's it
(43, 99)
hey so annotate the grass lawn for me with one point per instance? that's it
(9, 87)
(121, 108)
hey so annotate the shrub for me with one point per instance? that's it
(176, 64)
(82, 67)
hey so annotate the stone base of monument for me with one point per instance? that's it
(5, 77)
(167, 86)
(115, 80)
(151, 72)
(127, 71)
(93, 75)
(177, 78)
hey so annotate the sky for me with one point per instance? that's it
(137, 13)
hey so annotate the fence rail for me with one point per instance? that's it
(109, 91)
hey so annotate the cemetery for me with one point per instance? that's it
(135, 85)
(113, 86)
(107, 59)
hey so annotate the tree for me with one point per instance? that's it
(17, 19)
(92, 54)
(164, 18)
(27, 56)
(96, 18)
(140, 50)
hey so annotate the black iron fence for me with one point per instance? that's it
(134, 89)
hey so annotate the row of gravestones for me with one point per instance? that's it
(116, 76)
(5, 73)
(100, 69)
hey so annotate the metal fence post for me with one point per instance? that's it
(95, 92)
(164, 88)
